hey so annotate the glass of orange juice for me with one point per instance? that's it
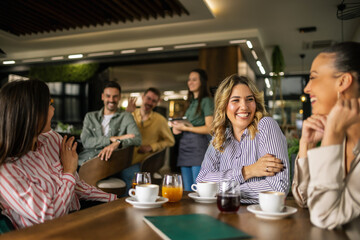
(141, 178)
(172, 187)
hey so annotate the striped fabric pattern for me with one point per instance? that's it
(228, 165)
(34, 188)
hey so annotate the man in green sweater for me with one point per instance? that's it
(108, 129)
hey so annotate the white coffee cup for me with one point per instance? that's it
(205, 189)
(272, 201)
(145, 192)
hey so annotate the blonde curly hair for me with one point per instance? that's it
(222, 96)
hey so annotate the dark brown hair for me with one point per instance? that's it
(154, 90)
(346, 57)
(203, 88)
(24, 107)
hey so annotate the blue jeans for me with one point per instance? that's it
(127, 176)
(189, 175)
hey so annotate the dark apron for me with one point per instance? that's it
(192, 149)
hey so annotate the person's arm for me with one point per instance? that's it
(205, 129)
(301, 180)
(166, 138)
(210, 167)
(334, 198)
(30, 199)
(85, 191)
(131, 128)
(273, 142)
(91, 137)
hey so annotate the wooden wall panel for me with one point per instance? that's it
(219, 62)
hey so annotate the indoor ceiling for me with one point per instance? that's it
(60, 28)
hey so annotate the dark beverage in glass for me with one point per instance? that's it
(228, 203)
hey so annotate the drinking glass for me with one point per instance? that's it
(141, 178)
(172, 187)
(228, 198)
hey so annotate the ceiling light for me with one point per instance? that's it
(262, 70)
(271, 73)
(57, 58)
(33, 60)
(281, 73)
(135, 94)
(271, 93)
(75, 56)
(9, 62)
(249, 44)
(190, 45)
(169, 93)
(128, 51)
(184, 92)
(258, 63)
(100, 54)
(267, 82)
(254, 54)
(237, 41)
(155, 49)
(166, 98)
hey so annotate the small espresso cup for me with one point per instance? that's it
(272, 201)
(145, 192)
(205, 189)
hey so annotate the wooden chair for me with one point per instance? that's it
(95, 171)
(152, 164)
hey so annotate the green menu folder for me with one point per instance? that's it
(192, 226)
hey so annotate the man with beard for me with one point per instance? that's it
(155, 132)
(108, 129)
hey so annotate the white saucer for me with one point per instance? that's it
(199, 199)
(146, 205)
(287, 211)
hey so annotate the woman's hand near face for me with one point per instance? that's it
(268, 165)
(68, 155)
(345, 113)
(312, 132)
(313, 129)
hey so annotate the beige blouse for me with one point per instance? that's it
(320, 183)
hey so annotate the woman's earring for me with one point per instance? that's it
(338, 95)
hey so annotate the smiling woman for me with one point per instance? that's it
(247, 146)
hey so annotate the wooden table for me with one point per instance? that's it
(119, 220)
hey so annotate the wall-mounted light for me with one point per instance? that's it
(267, 82)
(237, 41)
(57, 58)
(262, 70)
(190, 45)
(249, 44)
(33, 60)
(153, 49)
(98, 54)
(254, 54)
(9, 62)
(128, 51)
(75, 56)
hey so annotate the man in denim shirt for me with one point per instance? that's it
(108, 129)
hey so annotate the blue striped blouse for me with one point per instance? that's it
(228, 165)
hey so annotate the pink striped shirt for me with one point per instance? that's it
(34, 188)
